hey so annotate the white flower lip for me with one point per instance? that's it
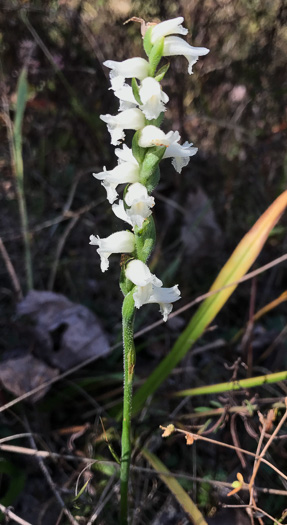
(152, 97)
(164, 297)
(126, 97)
(129, 119)
(119, 242)
(169, 27)
(180, 153)
(124, 172)
(120, 212)
(132, 67)
(173, 45)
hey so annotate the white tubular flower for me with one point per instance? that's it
(133, 67)
(149, 288)
(125, 172)
(173, 45)
(180, 154)
(126, 96)
(139, 202)
(169, 27)
(119, 242)
(128, 119)
(140, 275)
(152, 97)
(153, 136)
(164, 296)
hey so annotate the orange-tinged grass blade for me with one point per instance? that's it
(238, 264)
(179, 493)
(270, 306)
(267, 308)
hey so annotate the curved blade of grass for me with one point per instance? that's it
(267, 308)
(179, 493)
(251, 382)
(238, 264)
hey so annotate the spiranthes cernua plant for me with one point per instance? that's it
(136, 83)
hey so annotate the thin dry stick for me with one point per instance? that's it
(12, 516)
(236, 440)
(255, 467)
(262, 454)
(13, 236)
(140, 333)
(11, 271)
(82, 459)
(255, 508)
(59, 250)
(51, 483)
(226, 445)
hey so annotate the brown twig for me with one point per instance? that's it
(59, 250)
(49, 480)
(236, 440)
(196, 437)
(82, 459)
(12, 516)
(11, 271)
(255, 508)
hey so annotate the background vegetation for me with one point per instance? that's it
(234, 109)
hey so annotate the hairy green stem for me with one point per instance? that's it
(129, 364)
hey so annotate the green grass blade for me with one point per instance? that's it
(179, 493)
(22, 97)
(238, 264)
(251, 382)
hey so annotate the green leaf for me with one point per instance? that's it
(156, 121)
(155, 55)
(136, 92)
(147, 41)
(125, 284)
(82, 490)
(22, 97)
(151, 161)
(161, 72)
(145, 239)
(138, 152)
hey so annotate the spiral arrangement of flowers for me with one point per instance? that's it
(142, 107)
